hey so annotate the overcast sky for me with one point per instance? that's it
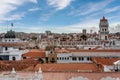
(61, 16)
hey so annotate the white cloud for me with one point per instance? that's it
(117, 27)
(92, 7)
(17, 16)
(113, 9)
(59, 4)
(114, 27)
(34, 9)
(88, 24)
(7, 6)
(46, 16)
(33, 1)
(75, 28)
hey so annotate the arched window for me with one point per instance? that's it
(102, 29)
(106, 38)
(105, 29)
(52, 60)
(12, 40)
(14, 58)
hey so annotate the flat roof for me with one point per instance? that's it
(94, 53)
(97, 54)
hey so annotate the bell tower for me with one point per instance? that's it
(103, 29)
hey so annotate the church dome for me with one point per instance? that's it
(10, 34)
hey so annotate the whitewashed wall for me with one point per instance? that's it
(70, 60)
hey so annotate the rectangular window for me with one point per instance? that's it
(79, 58)
(82, 58)
(88, 58)
(74, 58)
(67, 58)
(6, 48)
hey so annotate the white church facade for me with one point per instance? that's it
(11, 47)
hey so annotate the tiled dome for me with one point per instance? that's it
(10, 34)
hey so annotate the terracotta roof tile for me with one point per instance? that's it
(105, 61)
(61, 51)
(82, 67)
(13, 44)
(35, 53)
(18, 65)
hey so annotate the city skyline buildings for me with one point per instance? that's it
(64, 16)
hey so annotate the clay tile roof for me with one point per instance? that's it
(84, 67)
(18, 65)
(105, 61)
(13, 44)
(35, 53)
(61, 51)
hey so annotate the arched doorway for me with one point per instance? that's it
(13, 58)
(52, 60)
